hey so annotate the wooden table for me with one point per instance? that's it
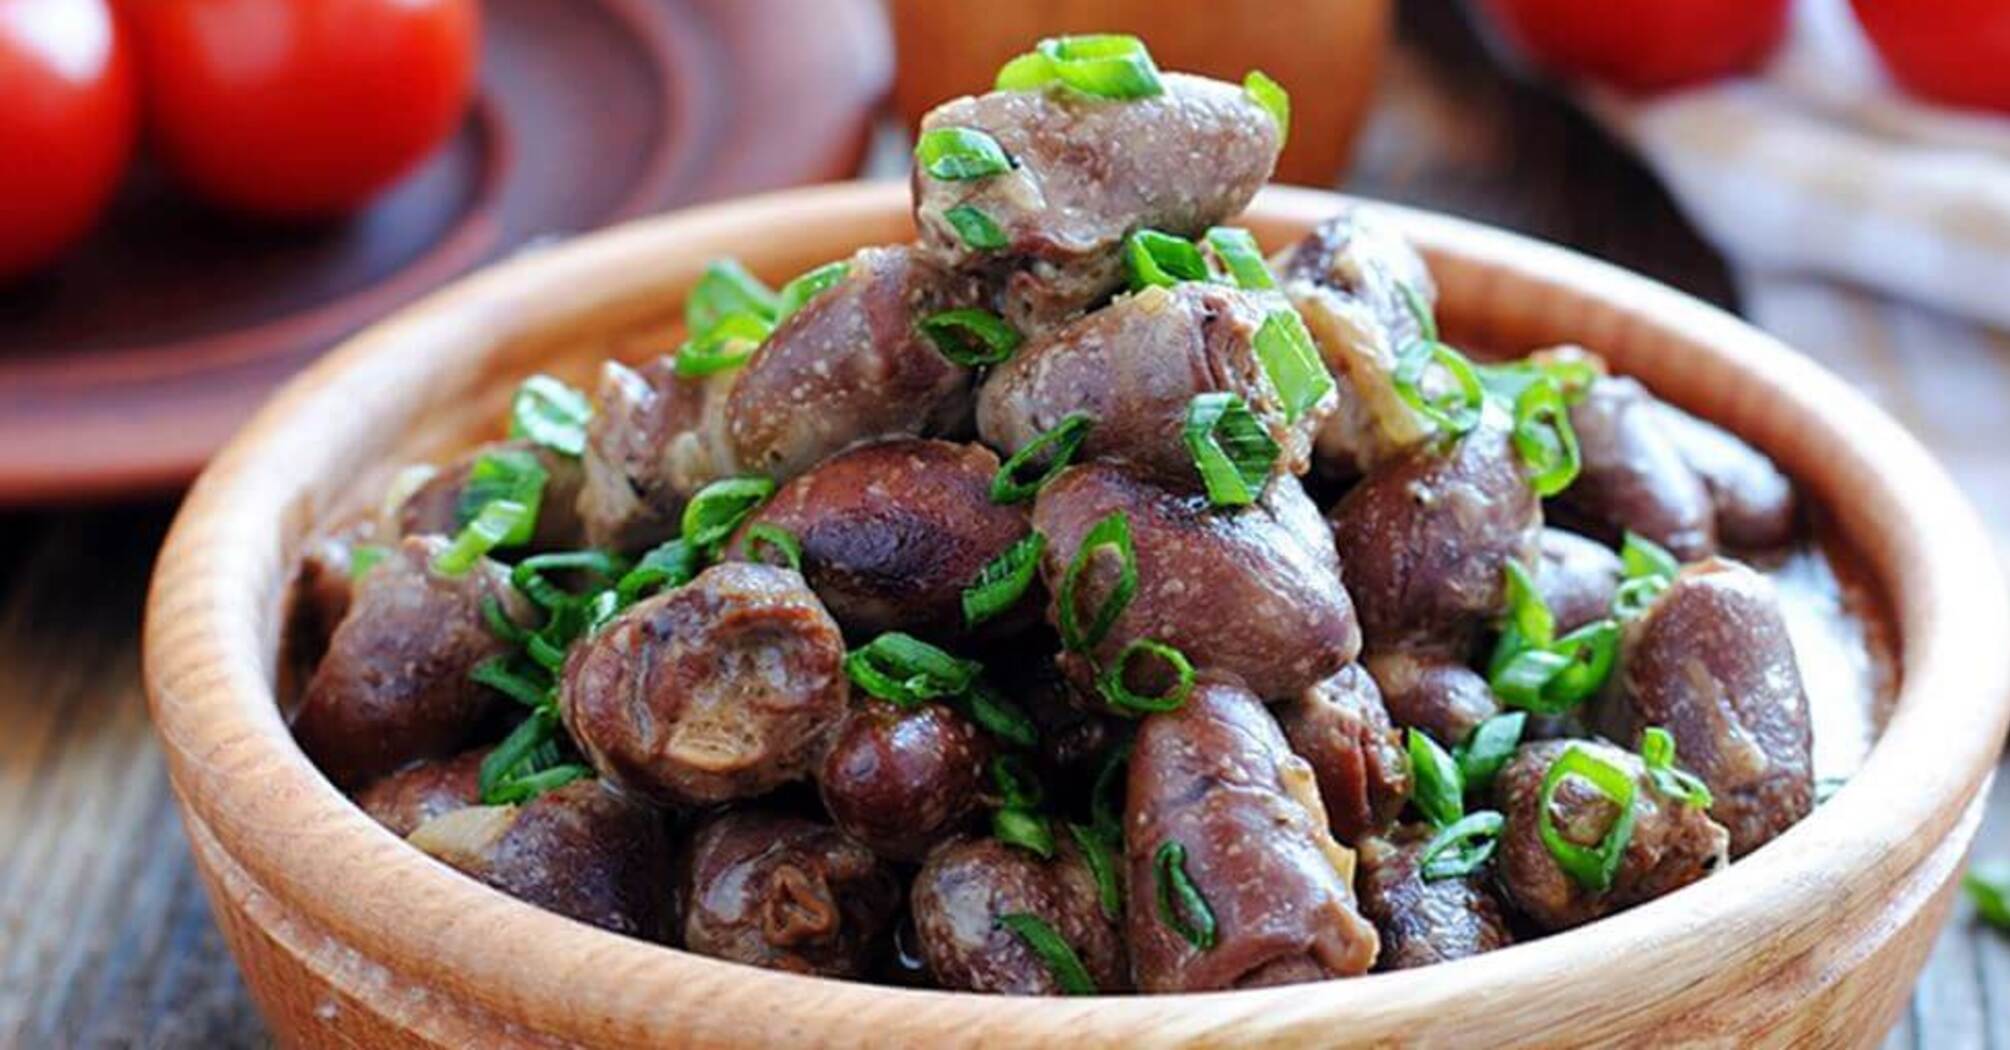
(105, 938)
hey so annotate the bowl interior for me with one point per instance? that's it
(436, 378)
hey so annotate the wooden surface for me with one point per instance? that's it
(132, 360)
(104, 935)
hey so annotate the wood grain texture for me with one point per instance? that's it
(139, 962)
(346, 933)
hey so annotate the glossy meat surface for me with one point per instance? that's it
(1576, 577)
(412, 796)
(1755, 504)
(892, 532)
(435, 507)
(968, 884)
(1432, 691)
(1252, 592)
(725, 688)
(393, 687)
(1217, 777)
(655, 438)
(786, 894)
(1426, 921)
(901, 779)
(1087, 173)
(1342, 729)
(1634, 476)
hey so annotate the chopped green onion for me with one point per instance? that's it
(1988, 885)
(500, 624)
(1230, 448)
(1273, 98)
(1000, 716)
(1454, 411)
(1114, 533)
(364, 558)
(1111, 683)
(725, 289)
(550, 413)
(1544, 437)
(504, 474)
(1161, 260)
(1028, 831)
(517, 751)
(1018, 786)
(1648, 569)
(1099, 853)
(1003, 580)
(529, 574)
(907, 671)
(673, 564)
(1427, 322)
(976, 228)
(1436, 786)
(960, 154)
(496, 523)
(1058, 445)
(1236, 248)
(1571, 377)
(719, 508)
(1592, 867)
(1181, 906)
(797, 293)
(1531, 668)
(1103, 65)
(777, 539)
(1106, 804)
(1487, 748)
(1292, 363)
(1461, 848)
(1589, 654)
(1060, 960)
(726, 345)
(496, 673)
(1527, 612)
(530, 785)
(1657, 752)
(970, 337)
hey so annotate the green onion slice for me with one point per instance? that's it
(726, 345)
(364, 558)
(526, 764)
(725, 289)
(1181, 907)
(1028, 831)
(1988, 885)
(1112, 682)
(1100, 853)
(977, 229)
(526, 689)
(1487, 748)
(496, 523)
(1111, 533)
(1236, 248)
(1103, 65)
(1461, 848)
(907, 671)
(1054, 448)
(1273, 98)
(1427, 321)
(1648, 569)
(504, 474)
(1053, 950)
(1003, 580)
(1292, 363)
(1657, 752)
(550, 413)
(1528, 614)
(797, 293)
(528, 786)
(1454, 410)
(960, 154)
(1230, 446)
(1436, 786)
(719, 508)
(780, 541)
(1018, 786)
(1000, 716)
(529, 574)
(673, 564)
(1591, 867)
(1555, 678)
(1545, 439)
(500, 624)
(1106, 797)
(971, 337)
(1161, 260)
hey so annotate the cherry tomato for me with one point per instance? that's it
(1954, 51)
(302, 108)
(68, 115)
(1644, 45)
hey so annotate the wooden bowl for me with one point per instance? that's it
(349, 937)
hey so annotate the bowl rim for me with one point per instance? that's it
(210, 639)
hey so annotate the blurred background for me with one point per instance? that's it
(197, 197)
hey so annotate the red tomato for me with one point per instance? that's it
(1644, 45)
(302, 108)
(68, 114)
(1955, 51)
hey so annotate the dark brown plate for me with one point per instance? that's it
(124, 367)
